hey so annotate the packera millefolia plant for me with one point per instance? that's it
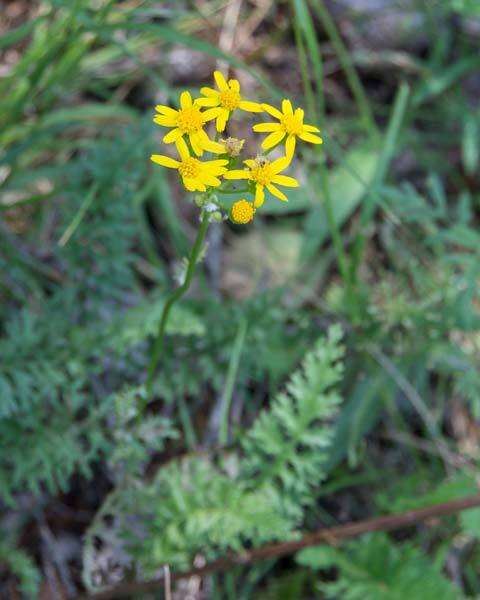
(210, 167)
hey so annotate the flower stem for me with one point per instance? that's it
(172, 298)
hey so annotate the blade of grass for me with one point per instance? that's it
(303, 61)
(146, 234)
(304, 29)
(168, 34)
(347, 66)
(19, 33)
(166, 208)
(303, 21)
(438, 83)
(385, 158)
(230, 381)
(77, 219)
(35, 199)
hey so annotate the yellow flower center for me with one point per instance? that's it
(230, 99)
(189, 119)
(261, 171)
(242, 212)
(190, 168)
(292, 124)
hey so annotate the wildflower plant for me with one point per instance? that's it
(213, 176)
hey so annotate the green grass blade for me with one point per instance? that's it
(345, 59)
(78, 218)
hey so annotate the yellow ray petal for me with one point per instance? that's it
(311, 129)
(202, 137)
(310, 137)
(290, 147)
(165, 121)
(299, 114)
(217, 172)
(211, 113)
(249, 162)
(211, 180)
(222, 120)
(166, 110)
(172, 136)
(214, 170)
(208, 91)
(196, 143)
(185, 100)
(287, 107)
(280, 164)
(237, 174)
(190, 184)
(220, 81)
(273, 139)
(212, 146)
(259, 195)
(215, 163)
(182, 148)
(165, 161)
(285, 180)
(271, 110)
(276, 192)
(234, 85)
(210, 101)
(253, 107)
(266, 127)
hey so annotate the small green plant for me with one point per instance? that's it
(202, 506)
(376, 568)
(202, 176)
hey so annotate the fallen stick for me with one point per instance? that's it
(328, 535)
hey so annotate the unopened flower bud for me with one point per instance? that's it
(200, 200)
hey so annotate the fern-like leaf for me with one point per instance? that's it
(287, 444)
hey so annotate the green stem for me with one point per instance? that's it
(174, 296)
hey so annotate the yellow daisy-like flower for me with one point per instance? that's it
(265, 174)
(226, 99)
(196, 175)
(188, 120)
(242, 212)
(290, 124)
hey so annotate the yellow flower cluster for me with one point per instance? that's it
(187, 130)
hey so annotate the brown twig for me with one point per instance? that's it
(330, 535)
